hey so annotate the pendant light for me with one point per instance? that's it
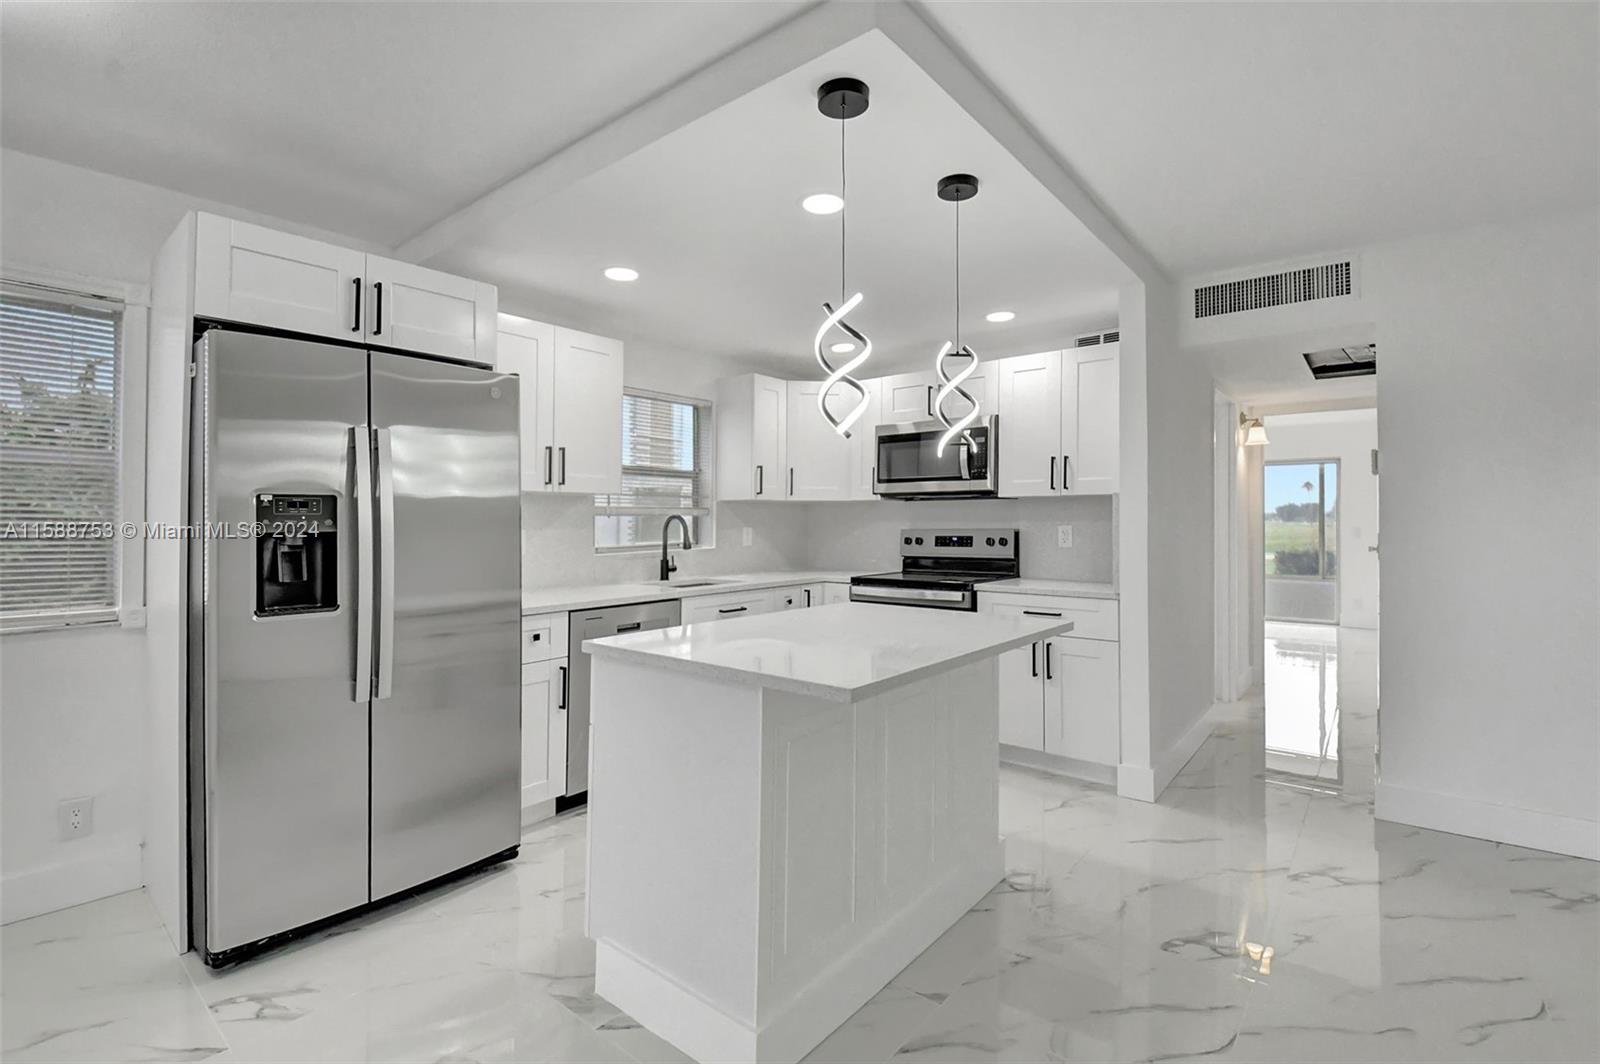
(842, 99)
(956, 188)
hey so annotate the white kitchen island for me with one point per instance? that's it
(785, 810)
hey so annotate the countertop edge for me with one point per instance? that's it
(828, 692)
(651, 593)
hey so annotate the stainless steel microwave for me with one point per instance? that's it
(907, 463)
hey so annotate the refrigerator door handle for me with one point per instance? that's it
(361, 461)
(385, 560)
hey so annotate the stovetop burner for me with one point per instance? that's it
(941, 568)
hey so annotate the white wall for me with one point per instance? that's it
(1489, 416)
(1489, 413)
(72, 703)
(1349, 436)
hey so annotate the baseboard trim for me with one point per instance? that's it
(1145, 783)
(98, 874)
(538, 811)
(1552, 832)
(1055, 765)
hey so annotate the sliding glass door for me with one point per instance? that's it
(1301, 525)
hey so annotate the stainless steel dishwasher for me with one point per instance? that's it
(596, 624)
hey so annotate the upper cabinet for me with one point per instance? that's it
(1059, 420)
(822, 463)
(912, 396)
(258, 276)
(424, 310)
(571, 405)
(752, 416)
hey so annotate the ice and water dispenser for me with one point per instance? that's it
(297, 554)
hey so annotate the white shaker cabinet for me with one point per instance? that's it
(527, 348)
(545, 684)
(799, 597)
(752, 437)
(832, 593)
(587, 388)
(907, 397)
(248, 273)
(1061, 696)
(417, 309)
(570, 405)
(1059, 421)
(821, 463)
(259, 276)
(705, 608)
(1090, 419)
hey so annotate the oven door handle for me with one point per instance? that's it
(913, 596)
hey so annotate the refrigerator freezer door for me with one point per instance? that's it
(280, 754)
(446, 729)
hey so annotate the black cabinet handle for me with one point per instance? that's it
(563, 451)
(535, 637)
(791, 481)
(930, 400)
(377, 317)
(761, 478)
(562, 704)
(1047, 674)
(732, 609)
(549, 464)
(356, 327)
(1064, 486)
(808, 596)
(1040, 613)
(1052, 472)
(1035, 656)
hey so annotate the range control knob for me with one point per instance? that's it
(919, 541)
(1003, 541)
(990, 541)
(908, 541)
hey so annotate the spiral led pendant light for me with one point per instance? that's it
(842, 99)
(955, 189)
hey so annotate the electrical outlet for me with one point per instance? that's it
(1063, 535)
(75, 818)
(747, 536)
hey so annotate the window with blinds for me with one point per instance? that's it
(665, 441)
(60, 377)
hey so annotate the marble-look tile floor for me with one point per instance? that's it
(1252, 914)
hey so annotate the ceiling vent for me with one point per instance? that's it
(1096, 339)
(1274, 289)
(1336, 362)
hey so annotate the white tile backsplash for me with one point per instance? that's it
(558, 538)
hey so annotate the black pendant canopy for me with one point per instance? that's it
(958, 187)
(842, 98)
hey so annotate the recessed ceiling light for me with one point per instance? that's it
(621, 273)
(842, 348)
(823, 203)
(999, 316)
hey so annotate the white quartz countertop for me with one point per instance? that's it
(1063, 588)
(844, 652)
(590, 596)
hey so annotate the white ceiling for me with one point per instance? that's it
(1226, 134)
(729, 263)
(1216, 134)
(367, 119)
(1270, 371)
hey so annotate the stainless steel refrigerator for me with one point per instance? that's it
(355, 607)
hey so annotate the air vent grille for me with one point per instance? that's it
(1273, 290)
(1096, 339)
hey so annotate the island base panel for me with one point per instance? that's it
(859, 834)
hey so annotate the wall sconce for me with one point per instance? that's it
(1255, 434)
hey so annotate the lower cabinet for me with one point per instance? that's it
(798, 597)
(832, 593)
(1061, 696)
(544, 730)
(733, 604)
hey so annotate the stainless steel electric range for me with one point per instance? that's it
(941, 568)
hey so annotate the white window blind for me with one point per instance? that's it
(664, 443)
(60, 379)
